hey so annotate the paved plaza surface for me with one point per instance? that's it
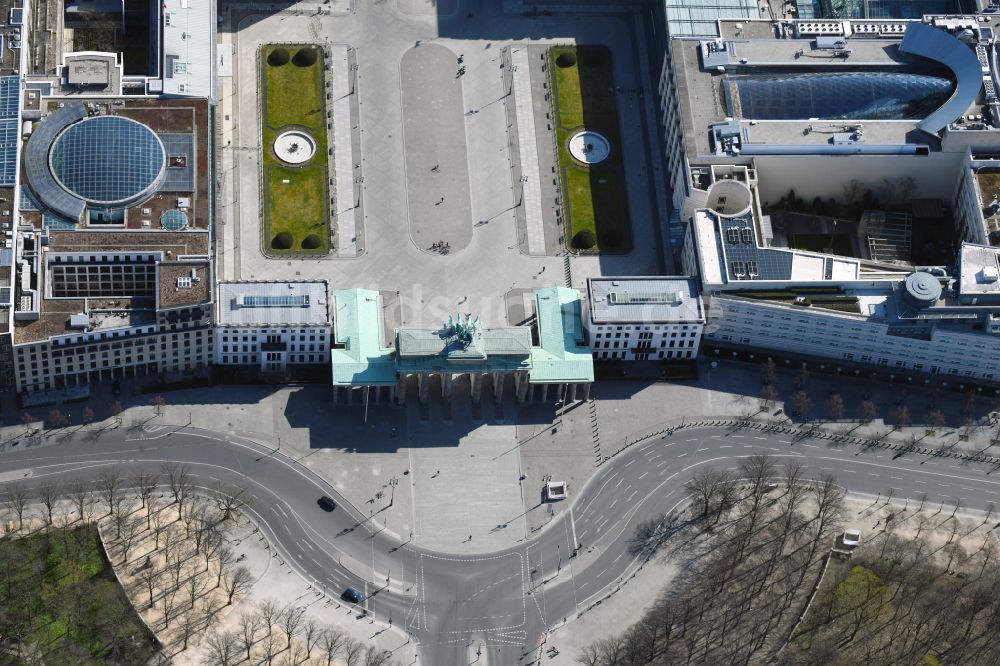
(437, 171)
(395, 192)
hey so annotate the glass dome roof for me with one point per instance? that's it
(108, 160)
(836, 95)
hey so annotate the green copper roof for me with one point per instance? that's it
(358, 357)
(562, 356)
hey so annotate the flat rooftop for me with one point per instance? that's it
(183, 283)
(644, 300)
(172, 244)
(702, 101)
(729, 251)
(249, 303)
(979, 271)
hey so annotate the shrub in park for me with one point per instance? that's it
(278, 57)
(565, 60)
(311, 242)
(305, 57)
(584, 240)
(283, 241)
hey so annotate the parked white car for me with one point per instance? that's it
(851, 538)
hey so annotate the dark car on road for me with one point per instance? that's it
(352, 595)
(326, 503)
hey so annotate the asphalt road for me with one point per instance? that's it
(495, 608)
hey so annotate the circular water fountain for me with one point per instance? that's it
(294, 147)
(589, 147)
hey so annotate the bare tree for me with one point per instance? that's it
(272, 646)
(969, 408)
(936, 418)
(332, 641)
(26, 420)
(79, 494)
(294, 655)
(109, 485)
(902, 416)
(211, 542)
(148, 575)
(189, 627)
(230, 498)
(225, 557)
(712, 491)
(179, 480)
(87, 416)
(353, 652)
(130, 529)
(222, 648)
(801, 403)
(57, 419)
(159, 520)
(290, 621)
(802, 379)
(158, 401)
(16, 500)
(169, 606)
(49, 494)
(869, 411)
(251, 624)
(376, 657)
(194, 587)
(269, 612)
(834, 407)
(145, 485)
(311, 633)
(116, 411)
(769, 394)
(768, 371)
(237, 583)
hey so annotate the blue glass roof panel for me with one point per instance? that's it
(108, 160)
(836, 95)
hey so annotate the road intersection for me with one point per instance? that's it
(501, 604)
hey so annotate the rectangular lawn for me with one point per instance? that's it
(297, 207)
(594, 197)
(297, 212)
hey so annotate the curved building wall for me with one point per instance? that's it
(935, 44)
(47, 190)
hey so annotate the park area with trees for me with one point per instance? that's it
(764, 578)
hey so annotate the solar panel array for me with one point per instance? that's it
(642, 298)
(271, 301)
(744, 259)
(10, 125)
(108, 159)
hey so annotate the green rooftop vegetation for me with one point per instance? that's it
(839, 244)
(296, 206)
(595, 200)
(828, 298)
(60, 603)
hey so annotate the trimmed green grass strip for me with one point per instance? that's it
(297, 212)
(595, 199)
(297, 207)
(295, 95)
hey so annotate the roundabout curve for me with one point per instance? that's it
(508, 600)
